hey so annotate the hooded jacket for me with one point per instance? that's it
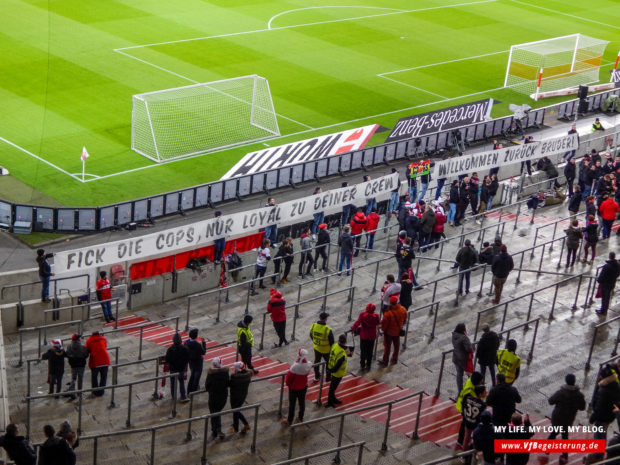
(297, 376)
(462, 349)
(393, 320)
(372, 222)
(216, 385)
(428, 221)
(609, 274)
(607, 394)
(346, 243)
(502, 265)
(276, 307)
(56, 360)
(56, 451)
(591, 232)
(97, 349)
(467, 257)
(367, 322)
(18, 449)
(503, 398)
(440, 220)
(77, 354)
(573, 237)
(177, 355)
(567, 400)
(574, 202)
(486, 350)
(609, 209)
(239, 384)
(322, 237)
(196, 349)
(358, 223)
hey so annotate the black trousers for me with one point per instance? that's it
(333, 385)
(317, 358)
(306, 257)
(320, 251)
(293, 398)
(280, 327)
(246, 357)
(366, 348)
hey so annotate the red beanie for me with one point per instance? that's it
(370, 308)
(393, 299)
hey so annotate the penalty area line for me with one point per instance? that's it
(413, 87)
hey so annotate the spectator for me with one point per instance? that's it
(345, 242)
(412, 225)
(464, 201)
(337, 368)
(405, 265)
(406, 288)
(239, 384)
(394, 196)
(17, 447)
(390, 288)
(284, 254)
(321, 247)
(318, 217)
(484, 197)
(609, 210)
(392, 326)
(55, 357)
(606, 396)
(607, 281)
(245, 341)
(262, 258)
(77, 355)
(493, 187)
(219, 245)
(412, 183)
(370, 202)
(271, 231)
(597, 125)
(463, 352)
(104, 295)
(474, 183)
(440, 183)
(45, 273)
(306, 253)
(503, 399)
(508, 362)
(567, 401)
(574, 235)
(197, 350)
(569, 155)
(426, 226)
(473, 406)
(520, 435)
(177, 358)
(366, 326)
(216, 385)
(55, 450)
(486, 352)
(570, 171)
(502, 266)
(66, 432)
(484, 438)
(453, 201)
(358, 223)
(403, 213)
(474, 380)
(486, 254)
(322, 340)
(372, 223)
(546, 165)
(590, 233)
(575, 200)
(425, 179)
(347, 209)
(98, 361)
(527, 163)
(297, 382)
(277, 311)
(438, 228)
(467, 257)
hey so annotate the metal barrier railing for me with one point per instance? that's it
(555, 225)
(430, 306)
(87, 305)
(342, 416)
(53, 281)
(596, 329)
(451, 458)
(306, 458)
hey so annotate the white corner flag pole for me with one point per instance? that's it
(84, 156)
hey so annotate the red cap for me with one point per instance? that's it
(393, 299)
(322, 226)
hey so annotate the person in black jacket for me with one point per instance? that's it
(17, 447)
(606, 397)
(502, 265)
(216, 385)
(245, 341)
(197, 350)
(570, 172)
(486, 352)
(55, 357)
(239, 384)
(45, 273)
(55, 450)
(464, 201)
(484, 438)
(517, 420)
(453, 201)
(345, 241)
(467, 257)
(568, 400)
(575, 200)
(321, 247)
(503, 398)
(607, 280)
(77, 355)
(177, 358)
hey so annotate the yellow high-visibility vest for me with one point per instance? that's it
(335, 355)
(320, 337)
(248, 335)
(507, 363)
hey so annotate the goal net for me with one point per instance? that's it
(174, 123)
(553, 64)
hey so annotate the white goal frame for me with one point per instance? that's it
(263, 103)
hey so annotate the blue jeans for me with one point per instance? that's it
(318, 219)
(193, 383)
(440, 184)
(107, 309)
(346, 213)
(271, 233)
(99, 378)
(219, 246)
(370, 240)
(452, 212)
(370, 204)
(413, 193)
(394, 200)
(345, 257)
(173, 379)
(607, 224)
(45, 286)
(358, 241)
(236, 417)
(490, 202)
(466, 275)
(423, 191)
(586, 191)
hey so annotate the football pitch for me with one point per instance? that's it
(71, 67)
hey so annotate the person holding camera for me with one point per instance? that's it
(337, 367)
(392, 326)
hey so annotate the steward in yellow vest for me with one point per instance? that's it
(322, 340)
(245, 342)
(337, 367)
(508, 362)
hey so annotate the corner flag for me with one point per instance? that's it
(84, 155)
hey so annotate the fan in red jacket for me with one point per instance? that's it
(358, 223)
(367, 324)
(277, 310)
(98, 361)
(609, 209)
(297, 382)
(372, 222)
(440, 220)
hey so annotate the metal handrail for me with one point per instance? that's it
(116, 300)
(596, 328)
(342, 416)
(451, 458)
(52, 280)
(555, 224)
(306, 458)
(431, 312)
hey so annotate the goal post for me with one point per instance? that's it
(553, 64)
(175, 123)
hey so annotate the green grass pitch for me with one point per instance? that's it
(70, 68)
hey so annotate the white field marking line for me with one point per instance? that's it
(443, 62)
(413, 87)
(581, 18)
(232, 34)
(337, 6)
(40, 159)
(329, 126)
(85, 174)
(196, 82)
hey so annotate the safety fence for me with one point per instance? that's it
(306, 458)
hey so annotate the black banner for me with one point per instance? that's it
(440, 120)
